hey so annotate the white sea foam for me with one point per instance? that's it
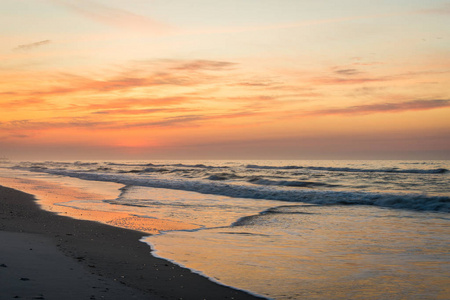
(268, 190)
(359, 170)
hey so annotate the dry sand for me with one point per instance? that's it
(78, 259)
(33, 268)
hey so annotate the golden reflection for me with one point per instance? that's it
(56, 198)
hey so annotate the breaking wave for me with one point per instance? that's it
(390, 170)
(217, 187)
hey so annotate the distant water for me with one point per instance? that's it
(290, 229)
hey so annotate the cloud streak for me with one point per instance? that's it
(135, 105)
(208, 65)
(176, 73)
(345, 81)
(414, 105)
(178, 119)
(31, 46)
(23, 103)
(347, 72)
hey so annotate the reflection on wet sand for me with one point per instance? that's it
(56, 197)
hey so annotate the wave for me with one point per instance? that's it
(146, 170)
(180, 167)
(128, 164)
(199, 166)
(335, 169)
(400, 201)
(82, 163)
(290, 183)
(223, 176)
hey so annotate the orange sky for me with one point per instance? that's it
(224, 79)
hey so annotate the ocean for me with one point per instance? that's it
(280, 229)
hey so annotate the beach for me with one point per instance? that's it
(229, 229)
(48, 256)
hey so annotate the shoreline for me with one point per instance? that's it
(112, 253)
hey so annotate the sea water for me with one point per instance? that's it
(285, 229)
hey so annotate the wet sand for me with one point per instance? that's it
(79, 259)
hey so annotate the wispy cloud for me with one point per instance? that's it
(345, 80)
(347, 72)
(134, 105)
(349, 75)
(171, 121)
(205, 65)
(193, 119)
(386, 107)
(19, 136)
(141, 111)
(254, 84)
(174, 72)
(22, 103)
(26, 47)
(94, 123)
(55, 123)
(179, 118)
(114, 17)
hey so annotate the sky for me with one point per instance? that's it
(215, 79)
